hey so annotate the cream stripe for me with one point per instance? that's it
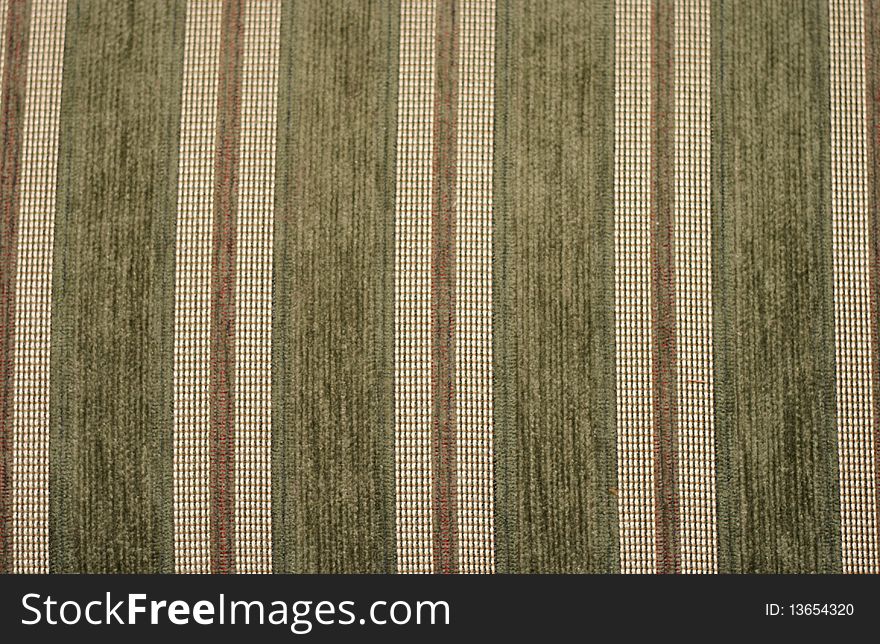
(692, 241)
(253, 334)
(412, 287)
(632, 284)
(33, 297)
(850, 244)
(192, 311)
(473, 307)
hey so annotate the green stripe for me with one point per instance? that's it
(505, 451)
(113, 289)
(554, 286)
(332, 396)
(774, 344)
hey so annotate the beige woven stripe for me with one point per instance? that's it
(33, 297)
(632, 284)
(412, 288)
(253, 334)
(850, 250)
(692, 240)
(192, 310)
(473, 308)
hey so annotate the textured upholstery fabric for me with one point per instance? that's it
(452, 286)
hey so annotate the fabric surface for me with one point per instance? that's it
(449, 286)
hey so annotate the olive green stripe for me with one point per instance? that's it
(113, 289)
(332, 427)
(555, 288)
(726, 524)
(777, 463)
(384, 292)
(502, 349)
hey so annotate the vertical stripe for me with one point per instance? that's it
(6, 444)
(665, 439)
(332, 423)
(634, 295)
(855, 336)
(692, 265)
(253, 333)
(778, 497)
(4, 14)
(663, 339)
(872, 103)
(554, 288)
(30, 474)
(111, 410)
(443, 284)
(192, 322)
(12, 97)
(505, 437)
(223, 263)
(413, 415)
(473, 284)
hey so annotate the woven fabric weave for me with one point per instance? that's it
(440, 286)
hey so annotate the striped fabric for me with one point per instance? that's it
(440, 286)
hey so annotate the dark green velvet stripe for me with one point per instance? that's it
(554, 288)
(332, 395)
(505, 451)
(774, 337)
(113, 289)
